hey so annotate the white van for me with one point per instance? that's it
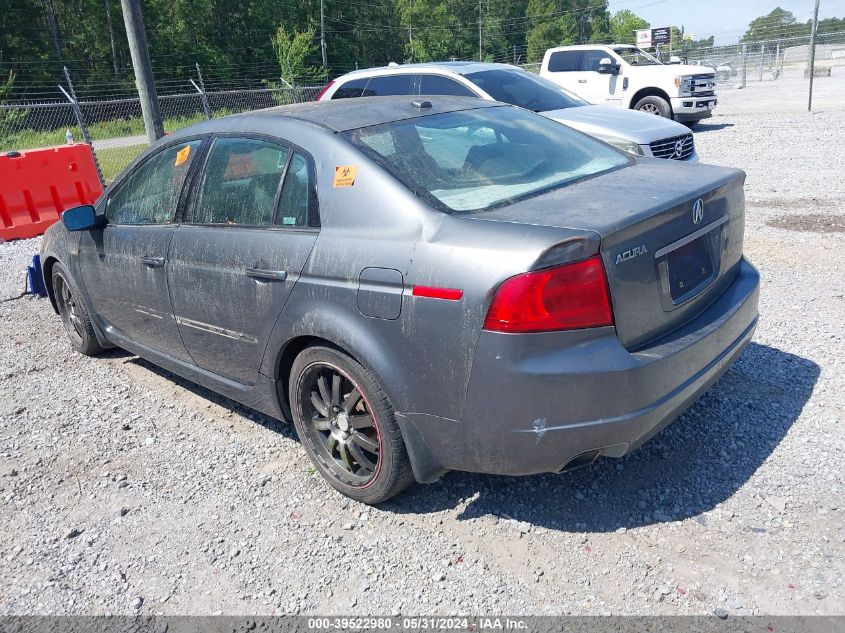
(626, 76)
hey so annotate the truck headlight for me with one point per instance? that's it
(620, 143)
(684, 84)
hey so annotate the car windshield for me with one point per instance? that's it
(484, 158)
(636, 56)
(525, 90)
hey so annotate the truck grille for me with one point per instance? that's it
(703, 85)
(676, 148)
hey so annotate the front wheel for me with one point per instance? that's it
(654, 105)
(347, 426)
(75, 317)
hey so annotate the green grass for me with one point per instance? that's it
(116, 128)
(114, 160)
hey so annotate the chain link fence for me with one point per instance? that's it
(115, 127)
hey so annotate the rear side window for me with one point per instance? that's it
(241, 182)
(390, 85)
(564, 61)
(590, 60)
(351, 89)
(151, 193)
(437, 85)
(294, 202)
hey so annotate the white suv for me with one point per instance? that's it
(627, 76)
(633, 132)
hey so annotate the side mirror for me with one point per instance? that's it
(607, 67)
(80, 218)
(674, 59)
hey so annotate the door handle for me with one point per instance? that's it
(267, 275)
(582, 81)
(153, 262)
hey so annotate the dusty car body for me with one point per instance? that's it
(484, 316)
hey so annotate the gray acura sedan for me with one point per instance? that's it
(420, 285)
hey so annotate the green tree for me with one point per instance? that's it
(777, 25)
(548, 27)
(623, 25)
(293, 51)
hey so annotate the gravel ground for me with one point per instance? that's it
(125, 490)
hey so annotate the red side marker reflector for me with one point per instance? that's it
(450, 294)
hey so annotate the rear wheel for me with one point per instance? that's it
(347, 426)
(75, 317)
(654, 105)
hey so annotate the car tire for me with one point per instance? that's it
(75, 318)
(654, 105)
(348, 426)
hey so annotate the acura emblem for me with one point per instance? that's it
(698, 211)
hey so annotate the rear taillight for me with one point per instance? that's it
(323, 91)
(567, 297)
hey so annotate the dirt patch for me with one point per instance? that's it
(810, 222)
(791, 204)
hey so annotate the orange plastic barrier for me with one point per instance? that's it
(37, 185)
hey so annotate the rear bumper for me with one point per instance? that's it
(534, 406)
(693, 108)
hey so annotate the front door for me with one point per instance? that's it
(235, 260)
(595, 87)
(124, 264)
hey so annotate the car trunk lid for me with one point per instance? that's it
(671, 238)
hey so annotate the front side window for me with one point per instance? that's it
(151, 193)
(241, 182)
(481, 159)
(437, 85)
(525, 90)
(591, 60)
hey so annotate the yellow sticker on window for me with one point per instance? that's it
(344, 175)
(182, 155)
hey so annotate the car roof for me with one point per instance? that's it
(583, 47)
(344, 114)
(457, 68)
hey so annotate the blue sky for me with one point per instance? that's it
(726, 19)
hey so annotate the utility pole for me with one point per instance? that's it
(134, 21)
(813, 55)
(54, 29)
(410, 31)
(111, 37)
(323, 34)
(480, 56)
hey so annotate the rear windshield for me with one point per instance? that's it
(525, 90)
(481, 159)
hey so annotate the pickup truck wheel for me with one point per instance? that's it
(347, 426)
(654, 105)
(74, 315)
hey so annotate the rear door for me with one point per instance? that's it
(564, 69)
(236, 258)
(124, 263)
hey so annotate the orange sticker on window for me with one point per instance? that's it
(182, 155)
(344, 175)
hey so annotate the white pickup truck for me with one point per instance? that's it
(627, 76)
